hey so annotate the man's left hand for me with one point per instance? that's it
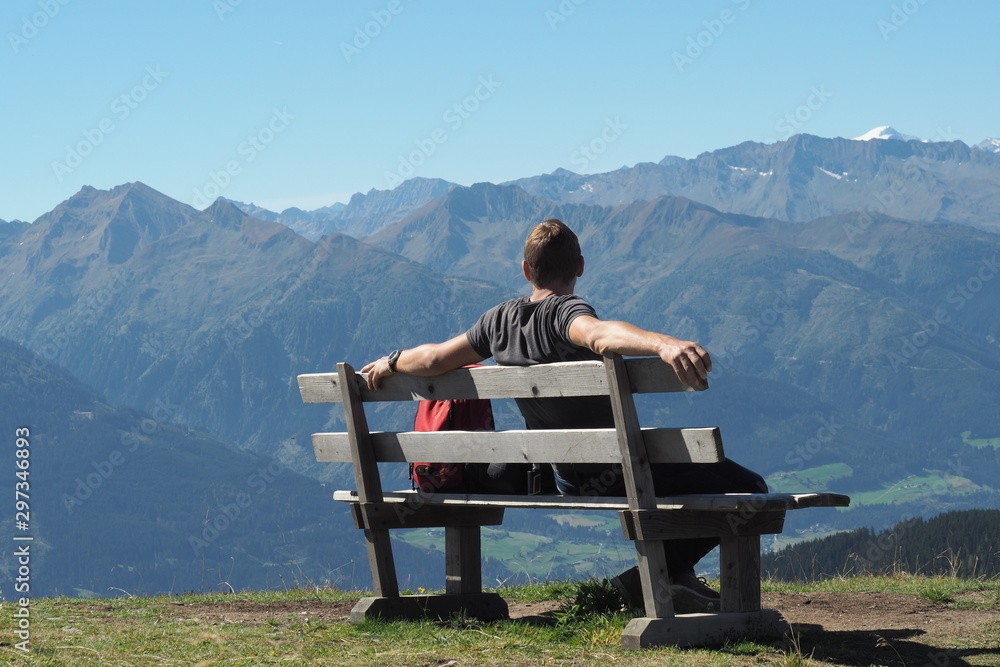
(377, 370)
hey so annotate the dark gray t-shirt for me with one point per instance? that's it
(522, 332)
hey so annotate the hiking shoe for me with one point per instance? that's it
(628, 584)
(692, 595)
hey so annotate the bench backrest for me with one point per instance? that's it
(617, 378)
(572, 378)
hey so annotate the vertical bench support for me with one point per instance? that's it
(741, 555)
(739, 566)
(463, 560)
(380, 559)
(639, 486)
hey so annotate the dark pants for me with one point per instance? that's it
(509, 478)
(669, 479)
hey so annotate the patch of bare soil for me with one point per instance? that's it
(534, 612)
(258, 613)
(889, 629)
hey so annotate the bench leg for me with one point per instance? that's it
(739, 561)
(741, 614)
(703, 629)
(381, 562)
(463, 583)
(463, 560)
(655, 579)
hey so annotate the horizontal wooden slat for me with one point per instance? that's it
(663, 445)
(687, 524)
(721, 502)
(574, 378)
(398, 515)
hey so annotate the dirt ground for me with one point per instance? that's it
(889, 629)
(846, 628)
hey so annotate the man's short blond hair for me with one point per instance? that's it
(552, 251)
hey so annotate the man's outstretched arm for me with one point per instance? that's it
(689, 360)
(427, 359)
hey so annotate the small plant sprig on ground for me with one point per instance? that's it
(795, 657)
(936, 594)
(593, 597)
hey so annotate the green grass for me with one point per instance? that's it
(908, 584)
(537, 555)
(980, 442)
(596, 521)
(184, 630)
(810, 479)
(915, 487)
(779, 542)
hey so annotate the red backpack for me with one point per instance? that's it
(453, 415)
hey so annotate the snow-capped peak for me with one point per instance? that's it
(989, 145)
(885, 132)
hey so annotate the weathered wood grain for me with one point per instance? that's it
(722, 502)
(664, 445)
(575, 378)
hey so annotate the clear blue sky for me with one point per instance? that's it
(293, 104)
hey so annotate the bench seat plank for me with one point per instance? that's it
(723, 502)
(663, 445)
(573, 378)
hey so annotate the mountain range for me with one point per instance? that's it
(800, 179)
(855, 346)
(362, 215)
(147, 299)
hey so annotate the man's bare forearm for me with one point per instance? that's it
(627, 339)
(424, 360)
(689, 360)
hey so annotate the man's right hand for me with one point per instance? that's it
(689, 360)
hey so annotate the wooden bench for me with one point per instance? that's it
(737, 519)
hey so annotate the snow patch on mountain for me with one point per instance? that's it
(746, 169)
(990, 145)
(886, 132)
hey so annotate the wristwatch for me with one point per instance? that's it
(393, 357)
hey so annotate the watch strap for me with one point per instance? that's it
(393, 357)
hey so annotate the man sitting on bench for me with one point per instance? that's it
(553, 325)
